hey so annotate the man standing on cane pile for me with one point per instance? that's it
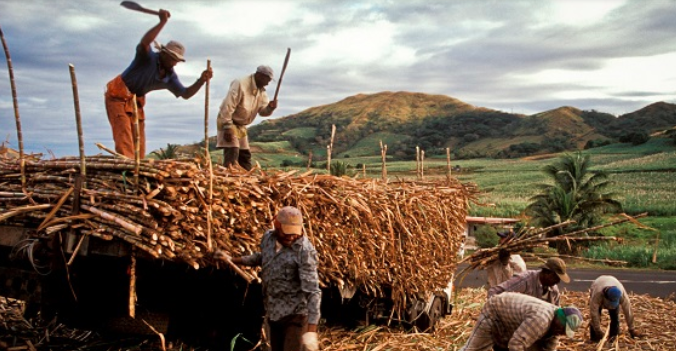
(607, 292)
(246, 98)
(540, 283)
(518, 322)
(290, 282)
(148, 71)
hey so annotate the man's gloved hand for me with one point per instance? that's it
(635, 334)
(310, 341)
(229, 134)
(221, 255)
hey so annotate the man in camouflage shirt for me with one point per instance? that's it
(537, 283)
(518, 322)
(290, 282)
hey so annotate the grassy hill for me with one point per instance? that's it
(404, 120)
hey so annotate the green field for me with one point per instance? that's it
(644, 176)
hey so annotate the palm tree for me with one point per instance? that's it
(577, 193)
(166, 154)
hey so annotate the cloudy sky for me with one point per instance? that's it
(515, 56)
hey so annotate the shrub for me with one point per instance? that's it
(486, 236)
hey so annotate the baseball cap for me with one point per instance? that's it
(613, 295)
(266, 70)
(175, 49)
(571, 317)
(557, 266)
(291, 220)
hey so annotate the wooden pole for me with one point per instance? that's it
(657, 244)
(17, 118)
(132, 283)
(78, 120)
(422, 164)
(417, 162)
(329, 149)
(208, 160)
(363, 169)
(309, 161)
(383, 155)
(448, 163)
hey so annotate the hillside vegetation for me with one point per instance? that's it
(404, 120)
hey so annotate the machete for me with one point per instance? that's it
(136, 7)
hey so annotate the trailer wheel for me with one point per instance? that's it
(428, 320)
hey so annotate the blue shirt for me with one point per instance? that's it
(289, 276)
(142, 75)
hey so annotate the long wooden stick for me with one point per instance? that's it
(78, 120)
(17, 118)
(132, 284)
(329, 148)
(208, 160)
(137, 142)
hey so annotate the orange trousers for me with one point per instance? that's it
(120, 109)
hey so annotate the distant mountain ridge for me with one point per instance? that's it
(404, 120)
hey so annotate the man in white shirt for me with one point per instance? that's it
(245, 100)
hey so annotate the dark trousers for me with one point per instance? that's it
(614, 325)
(233, 155)
(286, 334)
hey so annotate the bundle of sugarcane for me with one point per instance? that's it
(531, 238)
(368, 233)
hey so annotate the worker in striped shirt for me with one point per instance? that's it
(537, 283)
(518, 322)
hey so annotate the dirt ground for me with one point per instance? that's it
(654, 317)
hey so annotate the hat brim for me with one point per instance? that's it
(564, 277)
(292, 229)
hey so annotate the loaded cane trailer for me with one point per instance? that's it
(146, 248)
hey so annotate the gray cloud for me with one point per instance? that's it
(486, 53)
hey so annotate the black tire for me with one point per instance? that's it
(428, 320)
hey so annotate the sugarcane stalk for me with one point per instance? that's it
(15, 102)
(134, 228)
(18, 210)
(110, 151)
(58, 205)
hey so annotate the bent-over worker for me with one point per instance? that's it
(607, 292)
(520, 322)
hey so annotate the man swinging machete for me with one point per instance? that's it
(150, 70)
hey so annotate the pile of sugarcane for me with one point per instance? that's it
(524, 243)
(368, 233)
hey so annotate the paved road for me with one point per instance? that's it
(654, 283)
